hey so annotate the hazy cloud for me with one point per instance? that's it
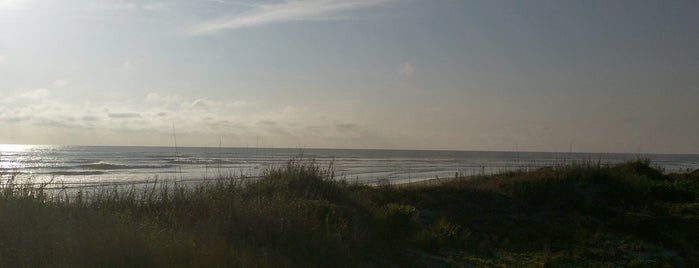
(14, 119)
(124, 5)
(289, 10)
(201, 104)
(237, 3)
(13, 4)
(90, 118)
(153, 97)
(13, 115)
(346, 127)
(124, 115)
(195, 119)
(267, 123)
(60, 83)
(154, 6)
(36, 94)
(406, 69)
(60, 122)
(130, 5)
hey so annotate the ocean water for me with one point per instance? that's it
(105, 165)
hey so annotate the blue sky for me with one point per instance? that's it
(598, 76)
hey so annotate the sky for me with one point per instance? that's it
(540, 75)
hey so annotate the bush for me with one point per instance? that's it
(642, 167)
(396, 222)
(672, 192)
(298, 180)
(442, 234)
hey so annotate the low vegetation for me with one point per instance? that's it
(298, 215)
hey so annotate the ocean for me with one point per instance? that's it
(105, 165)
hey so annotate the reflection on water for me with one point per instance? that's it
(76, 165)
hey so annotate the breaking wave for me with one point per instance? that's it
(109, 166)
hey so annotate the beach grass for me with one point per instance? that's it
(299, 215)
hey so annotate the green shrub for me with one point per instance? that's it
(673, 192)
(396, 221)
(297, 179)
(442, 234)
(643, 167)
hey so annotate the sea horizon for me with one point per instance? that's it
(89, 165)
(360, 149)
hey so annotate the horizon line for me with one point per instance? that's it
(357, 149)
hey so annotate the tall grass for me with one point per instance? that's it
(299, 215)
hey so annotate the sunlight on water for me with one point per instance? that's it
(11, 156)
(108, 164)
(23, 158)
(14, 148)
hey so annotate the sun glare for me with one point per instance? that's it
(14, 148)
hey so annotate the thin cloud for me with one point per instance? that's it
(13, 4)
(345, 127)
(237, 3)
(124, 115)
(90, 118)
(197, 119)
(282, 12)
(406, 69)
(36, 94)
(60, 83)
(129, 5)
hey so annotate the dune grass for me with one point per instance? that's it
(298, 215)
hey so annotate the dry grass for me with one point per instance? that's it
(297, 215)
